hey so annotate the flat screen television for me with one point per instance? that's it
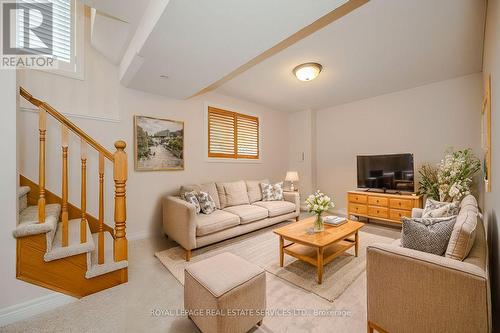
(392, 172)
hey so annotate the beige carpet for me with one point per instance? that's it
(261, 248)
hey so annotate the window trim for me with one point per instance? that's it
(78, 46)
(215, 159)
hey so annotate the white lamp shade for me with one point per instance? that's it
(292, 176)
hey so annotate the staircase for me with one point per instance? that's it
(59, 245)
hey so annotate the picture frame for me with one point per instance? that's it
(486, 134)
(158, 144)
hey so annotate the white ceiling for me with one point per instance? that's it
(381, 47)
(113, 23)
(196, 43)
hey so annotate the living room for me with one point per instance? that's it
(387, 77)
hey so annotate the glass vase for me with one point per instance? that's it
(319, 226)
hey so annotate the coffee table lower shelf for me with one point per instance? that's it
(309, 254)
(317, 256)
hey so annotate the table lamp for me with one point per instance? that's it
(292, 176)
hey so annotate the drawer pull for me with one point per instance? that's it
(378, 211)
(399, 203)
(377, 201)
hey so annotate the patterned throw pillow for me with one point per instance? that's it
(429, 235)
(278, 191)
(272, 192)
(435, 208)
(192, 199)
(207, 203)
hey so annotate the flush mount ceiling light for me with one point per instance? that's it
(308, 71)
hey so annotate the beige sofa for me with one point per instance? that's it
(240, 209)
(413, 291)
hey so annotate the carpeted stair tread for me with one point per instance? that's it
(28, 221)
(22, 190)
(57, 251)
(93, 268)
(22, 197)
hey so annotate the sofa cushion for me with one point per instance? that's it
(434, 208)
(217, 221)
(248, 213)
(276, 208)
(464, 232)
(232, 194)
(254, 191)
(210, 188)
(429, 235)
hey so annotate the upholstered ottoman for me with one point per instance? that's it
(225, 293)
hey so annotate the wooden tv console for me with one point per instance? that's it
(382, 206)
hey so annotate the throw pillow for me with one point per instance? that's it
(435, 208)
(429, 235)
(207, 203)
(272, 192)
(192, 199)
(464, 232)
(278, 191)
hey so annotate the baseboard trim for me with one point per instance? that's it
(25, 310)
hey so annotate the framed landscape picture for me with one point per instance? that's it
(159, 144)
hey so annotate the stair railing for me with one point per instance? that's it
(119, 160)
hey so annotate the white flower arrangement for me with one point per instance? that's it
(455, 174)
(318, 203)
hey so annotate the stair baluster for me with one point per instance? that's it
(120, 177)
(100, 250)
(83, 223)
(64, 191)
(42, 116)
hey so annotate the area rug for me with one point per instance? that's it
(261, 248)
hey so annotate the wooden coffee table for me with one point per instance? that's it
(317, 249)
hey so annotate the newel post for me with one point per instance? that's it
(120, 177)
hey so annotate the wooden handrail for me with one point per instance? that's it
(62, 119)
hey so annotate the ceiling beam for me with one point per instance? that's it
(301, 34)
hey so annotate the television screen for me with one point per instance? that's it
(386, 172)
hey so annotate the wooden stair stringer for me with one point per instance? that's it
(66, 275)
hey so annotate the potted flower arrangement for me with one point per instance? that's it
(318, 203)
(451, 180)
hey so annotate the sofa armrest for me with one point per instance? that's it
(413, 291)
(416, 212)
(179, 221)
(293, 197)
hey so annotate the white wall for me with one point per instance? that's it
(301, 149)
(12, 290)
(101, 94)
(424, 121)
(492, 200)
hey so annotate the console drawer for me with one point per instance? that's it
(357, 198)
(378, 211)
(401, 203)
(357, 209)
(378, 201)
(397, 214)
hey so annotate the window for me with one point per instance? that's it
(232, 135)
(67, 34)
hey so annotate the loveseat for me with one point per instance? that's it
(239, 210)
(414, 291)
